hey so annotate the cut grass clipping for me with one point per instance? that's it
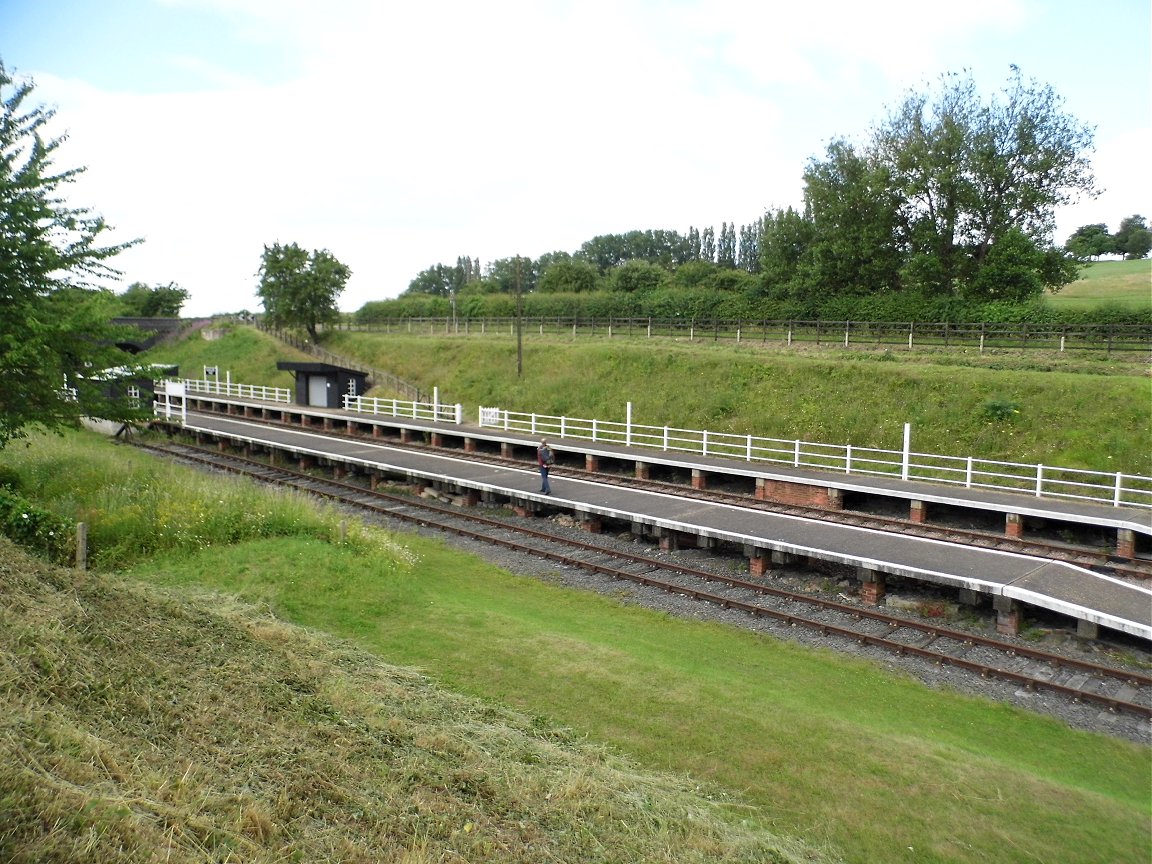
(141, 725)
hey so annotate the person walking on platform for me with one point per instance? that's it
(544, 459)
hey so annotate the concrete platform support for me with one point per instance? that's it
(591, 523)
(871, 586)
(1087, 629)
(704, 542)
(306, 462)
(591, 463)
(669, 541)
(969, 597)
(918, 512)
(835, 499)
(782, 559)
(1014, 525)
(405, 436)
(327, 424)
(1125, 543)
(469, 445)
(376, 431)
(373, 481)
(437, 439)
(699, 479)
(1007, 615)
(305, 420)
(643, 471)
(507, 451)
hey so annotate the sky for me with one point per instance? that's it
(401, 135)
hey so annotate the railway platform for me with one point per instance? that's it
(380, 447)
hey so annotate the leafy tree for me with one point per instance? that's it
(726, 247)
(784, 244)
(1133, 239)
(299, 289)
(708, 245)
(967, 173)
(637, 276)
(55, 336)
(750, 247)
(163, 301)
(854, 216)
(570, 276)
(1091, 241)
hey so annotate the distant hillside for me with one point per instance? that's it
(140, 725)
(1119, 283)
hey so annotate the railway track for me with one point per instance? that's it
(1114, 689)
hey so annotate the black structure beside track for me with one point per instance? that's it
(360, 442)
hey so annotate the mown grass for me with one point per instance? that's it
(1125, 284)
(840, 752)
(143, 725)
(1090, 413)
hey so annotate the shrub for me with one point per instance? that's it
(36, 528)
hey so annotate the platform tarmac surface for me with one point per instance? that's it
(1061, 587)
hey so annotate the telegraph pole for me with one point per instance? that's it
(519, 334)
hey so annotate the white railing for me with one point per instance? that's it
(1114, 488)
(433, 411)
(239, 391)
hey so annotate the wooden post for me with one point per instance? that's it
(82, 546)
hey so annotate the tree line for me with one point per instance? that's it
(947, 203)
(1132, 239)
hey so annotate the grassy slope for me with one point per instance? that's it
(1073, 412)
(141, 725)
(1121, 283)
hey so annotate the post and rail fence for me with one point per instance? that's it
(846, 334)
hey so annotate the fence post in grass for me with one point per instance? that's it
(907, 451)
(81, 546)
(847, 328)
(911, 330)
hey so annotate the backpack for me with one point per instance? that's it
(546, 456)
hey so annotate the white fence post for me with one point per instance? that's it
(459, 413)
(907, 448)
(968, 474)
(1116, 495)
(628, 425)
(848, 459)
(705, 443)
(1039, 480)
(796, 454)
(749, 448)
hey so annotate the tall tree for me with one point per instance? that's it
(726, 247)
(55, 335)
(968, 172)
(854, 215)
(1133, 239)
(1091, 241)
(299, 289)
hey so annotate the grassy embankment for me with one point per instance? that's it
(1127, 284)
(130, 728)
(1076, 412)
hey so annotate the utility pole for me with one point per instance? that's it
(519, 333)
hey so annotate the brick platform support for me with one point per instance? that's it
(373, 481)
(307, 462)
(377, 432)
(470, 498)
(591, 523)
(757, 566)
(437, 439)
(871, 586)
(507, 451)
(327, 424)
(591, 463)
(522, 510)
(643, 470)
(669, 542)
(469, 445)
(222, 446)
(405, 436)
(304, 421)
(1014, 525)
(918, 512)
(699, 479)
(338, 471)
(1007, 615)
(1125, 543)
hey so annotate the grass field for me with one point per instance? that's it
(1127, 284)
(842, 753)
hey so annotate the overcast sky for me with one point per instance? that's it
(399, 135)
